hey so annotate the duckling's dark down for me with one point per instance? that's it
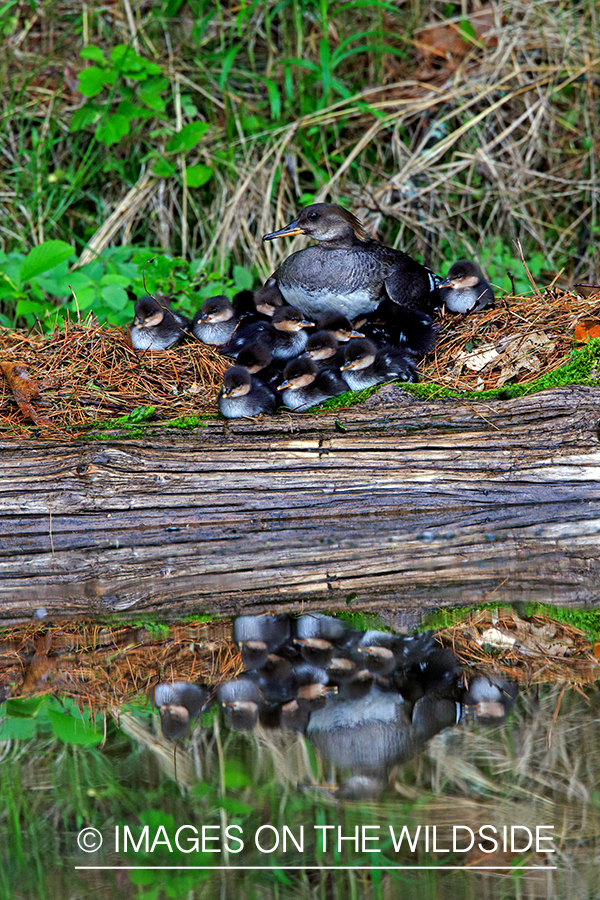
(244, 395)
(465, 289)
(366, 365)
(155, 326)
(348, 271)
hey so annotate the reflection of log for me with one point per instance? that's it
(398, 501)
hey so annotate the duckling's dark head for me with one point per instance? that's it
(268, 298)
(324, 222)
(359, 354)
(288, 318)
(298, 373)
(237, 381)
(254, 358)
(339, 325)
(463, 274)
(321, 345)
(216, 309)
(148, 313)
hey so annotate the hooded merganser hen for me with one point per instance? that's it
(348, 271)
(465, 289)
(215, 322)
(155, 326)
(394, 325)
(243, 395)
(305, 386)
(365, 365)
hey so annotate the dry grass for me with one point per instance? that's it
(456, 145)
(87, 374)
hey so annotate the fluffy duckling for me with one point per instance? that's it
(244, 395)
(393, 325)
(340, 326)
(305, 386)
(365, 365)
(465, 289)
(179, 704)
(215, 322)
(324, 349)
(155, 326)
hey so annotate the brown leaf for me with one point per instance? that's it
(587, 329)
(25, 389)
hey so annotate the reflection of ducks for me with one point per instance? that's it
(155, 326)
(465, 288)
(491, 698)
(347, 271)
(244, 395)
(305, 386)
(365, 365)
(179, 704)
(240, 700)
(215, 322)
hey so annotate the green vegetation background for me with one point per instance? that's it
(181, 132)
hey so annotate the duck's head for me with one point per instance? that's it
(359, 354)
(462, 274)
(268, 298)
(254, 358)
(290, 319)
(339, 325)
(298, 373)
(323, 222)
(148, 313)
(216, 309)
(321, 345)
(237, 382)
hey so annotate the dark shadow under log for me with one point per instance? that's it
(396, 504)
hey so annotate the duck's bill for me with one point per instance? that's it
(447, 282)
(289, 231)
(283, 385)
(347, 366)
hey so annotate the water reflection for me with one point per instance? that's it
(366, 700)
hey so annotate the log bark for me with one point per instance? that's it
(398, 504)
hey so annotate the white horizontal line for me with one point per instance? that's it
(306, 868)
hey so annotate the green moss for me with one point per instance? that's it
(587, 620)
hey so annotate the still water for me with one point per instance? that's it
(330, 760)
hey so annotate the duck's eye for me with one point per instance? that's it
(314, 215)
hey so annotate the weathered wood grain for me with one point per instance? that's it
(397, 504)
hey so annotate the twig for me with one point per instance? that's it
(527, 272)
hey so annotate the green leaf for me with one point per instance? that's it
(24, 709)
(17, 729)
(114, 278)
(93, 80)
(163, 169)
(196, 176)
(188, 137)
(44, 257)
(467, 31)
(227, 64)
(92, 52)
(73, 730)
(131, 111)
(242, 279)
(87, 115)
(112, 130)
(114, 296)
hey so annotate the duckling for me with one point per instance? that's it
(243, 395)
(324, 350)
(155, 326)
(317, 651)
(340, 326)
(305, 386)
(268, 298)
(465, 289)
(179, 704)
(215, 322)
(240, 701)
(290, 335)
(365, 365)
(394, 325)
(348, 271)
(319, 625)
